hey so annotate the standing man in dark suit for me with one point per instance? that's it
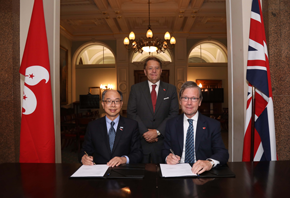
(151, 104)
(193, 137)
(112, 139)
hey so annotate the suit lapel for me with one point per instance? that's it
(179, 129)
(104, 132)
(161, 94)
(200, 129)
(146, 93)
(119, 133)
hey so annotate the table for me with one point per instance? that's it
(264, 179)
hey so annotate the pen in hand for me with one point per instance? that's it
(173, 154)
(89, 156)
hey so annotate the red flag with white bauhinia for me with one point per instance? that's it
(37, 142)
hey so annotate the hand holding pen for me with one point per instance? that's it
(172, 158)
(87, 160)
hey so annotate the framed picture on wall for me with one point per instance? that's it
(95, 90)
(63, 65)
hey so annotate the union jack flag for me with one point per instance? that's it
(258, 75)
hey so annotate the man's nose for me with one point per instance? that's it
(189, 101)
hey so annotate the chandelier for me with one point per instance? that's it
(150, 43)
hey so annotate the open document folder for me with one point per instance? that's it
(104, 171)
(184, 170)
(177, 170)
(91, 171)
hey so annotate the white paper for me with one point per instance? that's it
(177, 170)
(91, 171)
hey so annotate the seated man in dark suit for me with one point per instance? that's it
(193, 137)
(111, 139)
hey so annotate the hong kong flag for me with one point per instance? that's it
(37, 125)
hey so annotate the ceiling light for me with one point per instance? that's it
(149, 44)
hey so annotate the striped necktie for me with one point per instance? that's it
(189, 145)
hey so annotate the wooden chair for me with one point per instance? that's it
(68, 137)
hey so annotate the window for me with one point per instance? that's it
(96, 54)
(208, 53)
(137, 57)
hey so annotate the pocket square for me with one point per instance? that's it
(166, 98)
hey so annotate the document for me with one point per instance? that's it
(177, 170)
(91, 171)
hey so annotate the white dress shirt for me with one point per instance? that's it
(156, 88)
(185, 127)
(116, 121)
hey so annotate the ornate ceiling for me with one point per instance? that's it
(111, 19)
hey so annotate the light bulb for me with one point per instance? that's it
(172, 41)
(167, 36)
(126, 41)
(149, 33)
(132, 36)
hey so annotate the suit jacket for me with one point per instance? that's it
(208, 142)
(127, 141)
(140, 108)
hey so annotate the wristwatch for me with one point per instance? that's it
(212, 163)
(158, 133)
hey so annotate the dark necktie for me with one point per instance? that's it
(112, 135)
(189, 145)
(153, 97)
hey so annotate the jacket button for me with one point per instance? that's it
(153, 120)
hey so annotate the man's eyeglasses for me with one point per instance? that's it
(109, 102)
(193, 99)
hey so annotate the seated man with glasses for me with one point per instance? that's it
(112, 139)
(192, 137)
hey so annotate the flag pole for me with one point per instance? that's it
(253, 125)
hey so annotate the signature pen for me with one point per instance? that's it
(173, 153)
(89, 156)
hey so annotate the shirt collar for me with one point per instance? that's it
(116, 120)
(195, 117)
(157, 83)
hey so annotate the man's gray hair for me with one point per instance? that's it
(190, 84)
(104, 93)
